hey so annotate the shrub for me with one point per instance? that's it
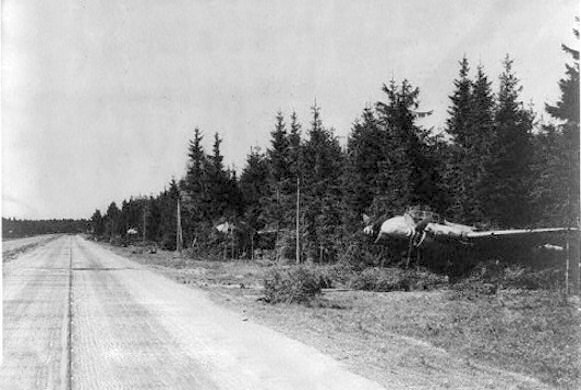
(340, 273)
(294, 284)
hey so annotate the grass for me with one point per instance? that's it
(532, 332)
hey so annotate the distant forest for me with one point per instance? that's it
(497, 164)
(16, 228)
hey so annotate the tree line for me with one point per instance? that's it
(16, 228)
(495, 163)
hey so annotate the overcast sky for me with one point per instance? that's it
(99, 98)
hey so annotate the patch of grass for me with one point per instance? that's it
(489, 277)
(535, 332)
(294, 284)
(396, 279)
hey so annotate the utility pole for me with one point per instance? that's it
(567, 260)
(144, 219)
(276, 248)
(298, 213)
(179, 229)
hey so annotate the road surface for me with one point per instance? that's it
(16, 245)
(77, 316)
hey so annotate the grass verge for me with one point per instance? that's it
(532, 332)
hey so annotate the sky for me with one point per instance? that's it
(100, 98)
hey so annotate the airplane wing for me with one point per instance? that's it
(548, 237)
(522, 233)
(552, 236)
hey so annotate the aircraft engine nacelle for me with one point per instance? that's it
(400, 227)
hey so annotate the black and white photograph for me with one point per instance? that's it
(293, 195)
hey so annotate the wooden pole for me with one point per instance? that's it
(232, 244)
(252, 246)
(298, 213)
(574, 261)
(144, 226)
(277, 223)
(179, 228)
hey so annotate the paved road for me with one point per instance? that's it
(77, 316)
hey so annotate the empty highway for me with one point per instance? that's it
(77, 316)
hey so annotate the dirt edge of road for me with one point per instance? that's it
(12, 253)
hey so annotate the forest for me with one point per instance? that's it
(498, 163)
(16, 228)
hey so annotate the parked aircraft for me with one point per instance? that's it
(419, 228)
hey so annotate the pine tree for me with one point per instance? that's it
(278, 154)
(458, 126)
(218, 184)
(458, 122)
(112, 221)
(153, 220)
(279, 175)
(471, 126)
(407, 175)
(252, 187)
(168, 219)
(556, 189)
(194, 184)
(395, 176)
(196, 160)
(97, 223)
(323, 162)
(295, 154)
(366, 152)
(480, 151)
(508, 176)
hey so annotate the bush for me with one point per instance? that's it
(294, 284)
(340, 273)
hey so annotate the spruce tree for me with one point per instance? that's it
(194, 184)
(408, 175)
(295, 153)
(168, 217)
(323, 162)
(479, 153)
(278, 154)
(97, 223)
(458, 122)
(556, 189)
(218, 184)
(278, 182)
(366, 152)
(112, 221)
(458, 127)
(253, 188)
(508, 175)
(471, 126)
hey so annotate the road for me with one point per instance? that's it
(20, 244)
(77, 316)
